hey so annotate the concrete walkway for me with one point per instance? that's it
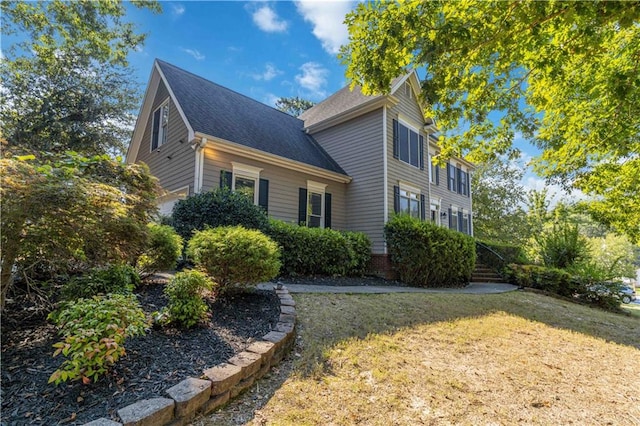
(472, 288)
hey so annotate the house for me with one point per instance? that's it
(347, 163)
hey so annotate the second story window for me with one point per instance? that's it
(160, 125)
(408, 145)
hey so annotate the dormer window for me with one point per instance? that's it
(160, 126)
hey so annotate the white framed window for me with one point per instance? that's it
(315, 204)
(408, 144)
(160, 126)
(453, 221)
(246, 180)
(435, 211)
(409, 200)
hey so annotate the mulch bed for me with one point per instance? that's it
(153, 363)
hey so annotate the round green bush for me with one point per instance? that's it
(163, 250)
(221, 207)
(186, 306)
(235, 257)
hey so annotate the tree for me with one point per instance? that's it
(293, 106)
(57, 217)
(67, 85)
(498, 198)
(563, 74)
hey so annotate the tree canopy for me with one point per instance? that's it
(562, 74)
(293, 106)
(66, 79)
(498, 198)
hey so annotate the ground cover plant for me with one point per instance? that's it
(513, 358)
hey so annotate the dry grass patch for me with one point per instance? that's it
(515, 358)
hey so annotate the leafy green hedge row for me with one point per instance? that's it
(316, 251)
(427, 255)
(564, 283)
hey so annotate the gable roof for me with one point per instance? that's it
(219, 112)
(345, 100)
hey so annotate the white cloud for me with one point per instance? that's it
(195, 53)
(177, 9)
(271, 99)
(269, 73)
(327, 18)
(313, 79)
(268, 20)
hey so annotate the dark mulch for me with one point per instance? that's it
(341, 281)
(153, 363)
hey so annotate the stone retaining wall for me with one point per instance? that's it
(218, 384)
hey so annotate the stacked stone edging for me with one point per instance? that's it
(219, 383)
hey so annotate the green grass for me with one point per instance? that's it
(512, 358)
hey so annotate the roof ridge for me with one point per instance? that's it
(225, 88)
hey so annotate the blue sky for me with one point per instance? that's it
(264, 50)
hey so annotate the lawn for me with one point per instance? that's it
(513, 358)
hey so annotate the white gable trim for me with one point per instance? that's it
(145, 112)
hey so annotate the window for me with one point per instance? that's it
(314, 206)
(408, 145)
(434, 171)
(452, 181)
(160, 125)
(453, 218)
(408, 201)
(435, 213)
(246, 179)
(407, 90)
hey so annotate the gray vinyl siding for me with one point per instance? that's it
(173, 163)
(357, 146)
(449, 198)
(399, 171)
(284, 185)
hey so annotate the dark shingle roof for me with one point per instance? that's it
(217, 111)
(343, 100)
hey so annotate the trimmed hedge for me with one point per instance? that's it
(428, 255)
(221, 207)
(317, 251)
(563, 283)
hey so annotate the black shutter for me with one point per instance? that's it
(437, 175)
(459, 177)
(450, 219)
(423, 208)
(226, 179)
(421, 152)
(302, 206)
(469, 225)
(263, 195)
(396, 199)
(396, 148)
(449, 177)
(155, 129)
(469, 184)
(460, 221)
(327, 210)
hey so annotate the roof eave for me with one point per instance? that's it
(256, 154)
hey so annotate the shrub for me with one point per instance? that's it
(164, 249)
(94, 331)
(221, 207)
(510, 253)
(562, 246)
(186, 306)
(316, 251)
(121, 279)
(427, 255)
(234, 257)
